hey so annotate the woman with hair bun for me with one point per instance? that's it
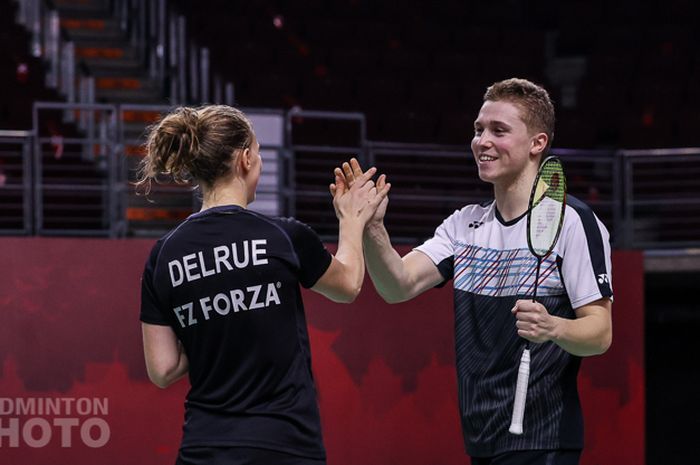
(221, 298)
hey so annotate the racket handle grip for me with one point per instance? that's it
(516, 423)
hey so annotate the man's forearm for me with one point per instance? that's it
(385, 266)
(589, 335)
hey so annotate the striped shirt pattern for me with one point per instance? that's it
(496, 273)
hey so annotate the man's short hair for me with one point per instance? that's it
(533, 100)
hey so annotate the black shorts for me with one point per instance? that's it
(531, 457)
(240, 456)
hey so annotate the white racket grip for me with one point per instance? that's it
(516, 423)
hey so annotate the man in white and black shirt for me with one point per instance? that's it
(483, 249)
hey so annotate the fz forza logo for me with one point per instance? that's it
(603, 279)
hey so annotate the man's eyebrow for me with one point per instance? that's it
(494, 122)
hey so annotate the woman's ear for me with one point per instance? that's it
(243, 161)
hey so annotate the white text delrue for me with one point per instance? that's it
(240, 255)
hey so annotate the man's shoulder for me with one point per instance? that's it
(581, 214)
(472, 211)
(577, 205)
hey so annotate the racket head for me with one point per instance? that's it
(545, 213)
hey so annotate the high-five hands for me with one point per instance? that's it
(351, 174)
(359, 198)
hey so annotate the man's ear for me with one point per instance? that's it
(539, 143)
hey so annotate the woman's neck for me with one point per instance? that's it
(230, 194)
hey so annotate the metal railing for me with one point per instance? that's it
(317, 141)
(649, 199)
(661, 200)
(16, 182)
(430, 182)
(75, 177)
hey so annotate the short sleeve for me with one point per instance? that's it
(314, 258)
(151, 310)
(440, 247)
(586, 266)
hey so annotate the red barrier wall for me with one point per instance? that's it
(70, 334)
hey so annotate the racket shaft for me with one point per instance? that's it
(516, 424)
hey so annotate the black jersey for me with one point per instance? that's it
(227, 280)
